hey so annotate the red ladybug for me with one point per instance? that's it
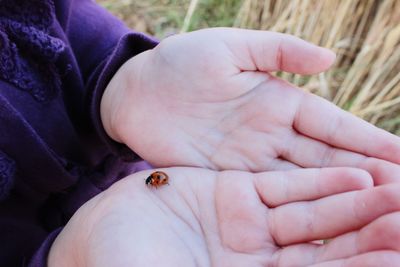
(157, 179)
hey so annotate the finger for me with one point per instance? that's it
(381, 234)
(278, 188)
(387, 228)
(383, 172)
(320, 155)
(271, 51)
(385, 258)
(332, 216)
(321, 120)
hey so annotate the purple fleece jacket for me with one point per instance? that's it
(56, 58)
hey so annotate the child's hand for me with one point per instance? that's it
(232, 219)
(208, 99)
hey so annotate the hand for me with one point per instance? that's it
(208, 99)
(232, 218)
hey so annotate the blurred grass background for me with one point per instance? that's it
(365, 34)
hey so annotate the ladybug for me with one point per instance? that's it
(157, 178)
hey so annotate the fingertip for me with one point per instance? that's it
(308, 59)
(327, 56)
(383, 172)
(366, 180)
(357, 179)
(345, 179)
(323, 59)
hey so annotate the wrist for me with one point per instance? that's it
(117, 106)
(109, 105)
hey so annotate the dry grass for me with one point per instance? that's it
(365, 34)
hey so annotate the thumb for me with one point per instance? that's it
(271, 51)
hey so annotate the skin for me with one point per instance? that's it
(209, 99)
(236, 218)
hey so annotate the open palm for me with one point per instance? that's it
(207, 99)
(232, 218)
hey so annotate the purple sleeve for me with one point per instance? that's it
(101, 44)
(40, 258)
(128, 45)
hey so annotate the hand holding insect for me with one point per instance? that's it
(235, 219)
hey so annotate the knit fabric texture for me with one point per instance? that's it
(27, 50)
(7, 170)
